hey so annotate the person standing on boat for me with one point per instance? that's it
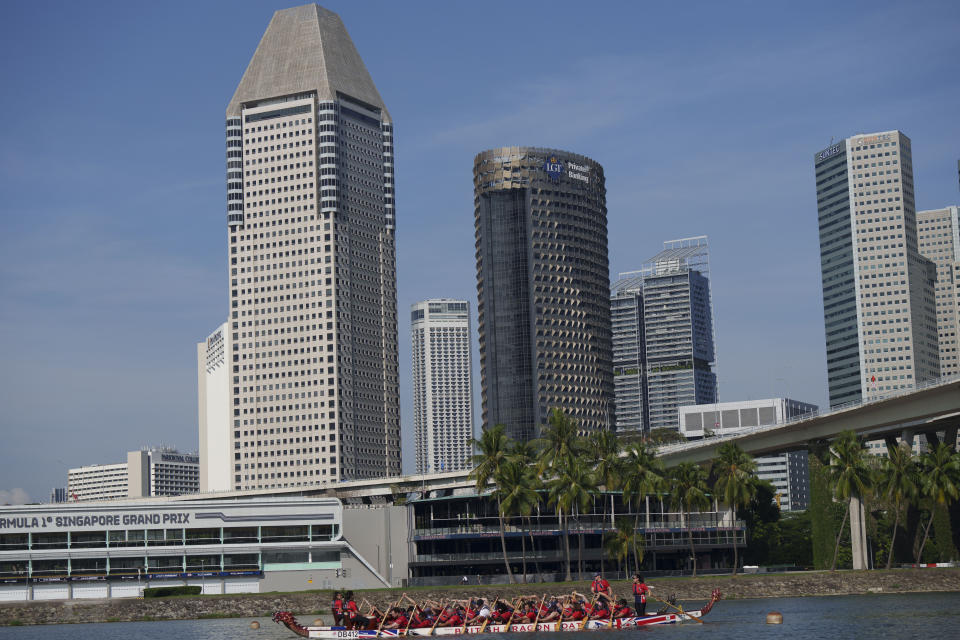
(640, 592)
(336, 607)
(601, 588)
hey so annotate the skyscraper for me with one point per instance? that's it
(442, 385)
(663, 336)
(310, 195)
(938, 233)
(629, 354)
(878, 305)
(543, 289)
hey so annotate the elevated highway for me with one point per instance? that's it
(928, 410)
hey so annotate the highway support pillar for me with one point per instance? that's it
(858, 534)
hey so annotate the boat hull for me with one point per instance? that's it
(339, 633)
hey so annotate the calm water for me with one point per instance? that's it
(876, 617)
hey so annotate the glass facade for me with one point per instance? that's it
(543, 283)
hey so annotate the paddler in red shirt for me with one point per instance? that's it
(640, 593)
(601, 588)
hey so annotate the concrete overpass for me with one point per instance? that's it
(929, 409)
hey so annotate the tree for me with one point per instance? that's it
(619, 541)
(493, 447)
(850, 475)
(898, 482)
(524, 454)
(605, 451)
(559, 443)
(517, 497)
(665, 435)
(735, 481)
(569, 487)
(642, 474)
(939, 481)
(688, 484)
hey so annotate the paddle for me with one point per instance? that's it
(412, 613)
(437, 621)
(487, 621)
(613, 608)
(678, 608)
(383, 618)
(539, 609)
(513, 613)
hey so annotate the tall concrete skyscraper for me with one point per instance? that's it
(938, 233)
(663, 337)
(310, 225)
(543, 289)
(878, 305)
(442, 385)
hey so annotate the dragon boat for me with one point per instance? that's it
(288, 620)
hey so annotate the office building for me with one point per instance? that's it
(58, 494)
(442, 385)
(938, 233)
(787, 471)
(664, 337)
(162, 472)
(214, 410)
(629, 355)
(542, 285)
(97, 482)
(149, 472)
(878, 291)
(313, 391)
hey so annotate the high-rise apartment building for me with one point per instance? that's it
(543, 289)
(938, 233)
(310, 227)
(878, 305)
(442, 385)
(663, 336)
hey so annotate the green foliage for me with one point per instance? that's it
(943, 535)
(665, 435)
(165, 592)
(825, 514)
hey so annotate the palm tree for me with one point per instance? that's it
(524, 454)
(940, 481)
(605, 451)
(621, 539)
(493, 447)
(688, 485)
(851, 477)
(570, 487)
(559, 443)
(735, 481)
(517, 498)
(898, 481)
(642, 475)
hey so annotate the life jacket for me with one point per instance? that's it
(338, 606)
(622, 612)
(640, 589)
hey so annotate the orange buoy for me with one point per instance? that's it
(254, 625)
(774, 617)
(318, 622)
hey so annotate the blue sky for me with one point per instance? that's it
(705, 117)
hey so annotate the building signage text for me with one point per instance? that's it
(830, 151)
(83, 521)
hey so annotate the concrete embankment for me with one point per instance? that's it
(309, 605)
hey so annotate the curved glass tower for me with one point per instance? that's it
(543, 289)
